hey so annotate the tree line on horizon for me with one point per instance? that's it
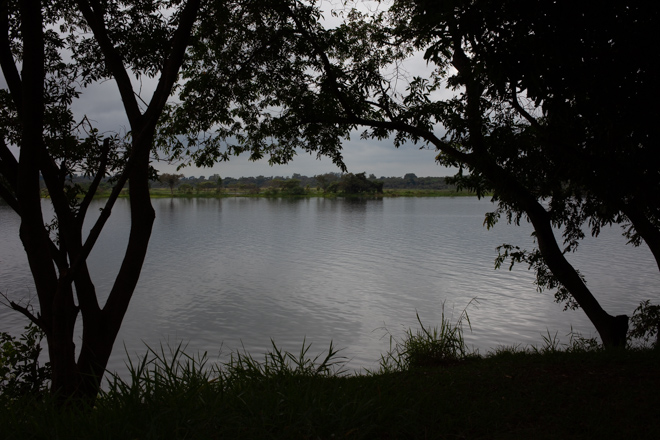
(326, 182)
(323, 182)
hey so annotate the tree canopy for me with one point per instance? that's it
(551, 93)
(552, 113)
(170, 180)
(350, 183)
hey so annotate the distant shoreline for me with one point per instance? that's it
(165, 193)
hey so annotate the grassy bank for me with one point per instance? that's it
(578, 395)
(542, 394)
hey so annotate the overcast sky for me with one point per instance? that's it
(101, 104)
(379, 158)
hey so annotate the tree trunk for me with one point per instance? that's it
(59, 268)
(61, 348)
(612, 330)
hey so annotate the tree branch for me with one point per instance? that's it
(93, 13)
(8, 197)
(9, 164)
(327, 66)
(100, 173)
(519, 108)
(33, 234)
(26, 312)
(7, 63)
(172, 64)
(95, 232)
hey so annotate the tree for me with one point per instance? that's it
(535, 122)
(356, 184)
(206, 186)
(555, 106)
(269, 63)
(62, 47)
(537, 110)
(545, 139)
(291, 187)
(325, 180)
(186, 188)
(171, 180)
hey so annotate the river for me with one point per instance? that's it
(234, 273)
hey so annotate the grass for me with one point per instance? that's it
(569, 391)
(428, 346)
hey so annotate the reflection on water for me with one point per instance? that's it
(232, 273)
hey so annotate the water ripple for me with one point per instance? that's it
(232, 273)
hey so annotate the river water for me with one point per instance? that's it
(234, 273)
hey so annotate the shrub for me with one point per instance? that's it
(20, 371)
(645, 323)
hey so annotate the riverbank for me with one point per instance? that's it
(511, 394)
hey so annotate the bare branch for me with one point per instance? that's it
(524, 113)
(100, 173)
(95, 232)
(173, 63)
(23, 310)
(93, 13)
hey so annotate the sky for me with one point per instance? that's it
(101, 103)
(372, 157)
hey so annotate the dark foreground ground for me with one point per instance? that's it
(593, 395)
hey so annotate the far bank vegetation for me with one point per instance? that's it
(328, 184)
